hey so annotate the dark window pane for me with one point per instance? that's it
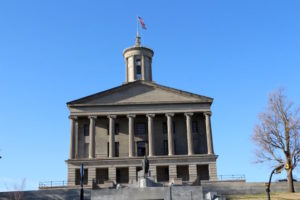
(195, 127)
(165, 147)
(138, 69)
(165, 128)
(140, 128)
(117, 149)
(86, 129)
(141, 148)
(117, 129)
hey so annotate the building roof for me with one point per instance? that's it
(140, 92)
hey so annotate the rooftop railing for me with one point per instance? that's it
(232, 177)
(52, 184)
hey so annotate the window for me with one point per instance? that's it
(138, 69)
(140, 129)
(141, 148)
(77, 177)
(86, 129)
(108, 149)
(195, 127)
(117, 129)
(165, 128)
(117, 144)
(165, 147)
(138, 72)
(101, 175)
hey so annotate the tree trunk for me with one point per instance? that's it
(290, 181)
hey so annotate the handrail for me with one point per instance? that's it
(52, 184)
(232, 177)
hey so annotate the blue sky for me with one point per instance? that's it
(52, 52)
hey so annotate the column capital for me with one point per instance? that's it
(131, 116)
(169, 114)
(151, 115)
(112, 116)
(73, 117)
(209, 113)
(189, 114)
(92, 116)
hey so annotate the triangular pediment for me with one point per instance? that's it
(141, 92)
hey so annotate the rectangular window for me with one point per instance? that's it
(117, 144)
(138, 72)
(141, 148)
(108, 149)
(117, 129)
(165, 128)
(101, 175)
(140, 129)
(165, 147)
(77, 177)
(86, 129)
(195, 127)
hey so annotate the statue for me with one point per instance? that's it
(145, 165)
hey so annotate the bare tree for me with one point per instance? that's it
(277, 134)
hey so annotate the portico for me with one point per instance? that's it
(131, 132)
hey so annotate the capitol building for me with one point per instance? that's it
(112, 130)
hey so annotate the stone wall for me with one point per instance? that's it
(231, 188)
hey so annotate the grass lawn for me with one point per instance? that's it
(274, 196)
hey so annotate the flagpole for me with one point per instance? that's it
(137, 26)
(137, 39)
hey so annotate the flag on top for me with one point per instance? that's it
(142, 23)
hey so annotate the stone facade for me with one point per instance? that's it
(112, 130)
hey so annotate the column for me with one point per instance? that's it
(143, 68)
(170, 134)
(76, 139)
(91, 176)
(193, 172)
(126, 64)
(172, 173)
(210, 149)
(112, 176)
(112, 135)
(150, 134)
(131, 150)
(212, 170)
(189, 133)
(72, 136)
(153, 173)
(132, 174)
(92, 136)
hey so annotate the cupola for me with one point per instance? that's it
(138, 61)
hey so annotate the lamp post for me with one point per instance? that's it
(277, 170)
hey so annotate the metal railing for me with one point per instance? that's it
(233, 177)
(52, 184)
